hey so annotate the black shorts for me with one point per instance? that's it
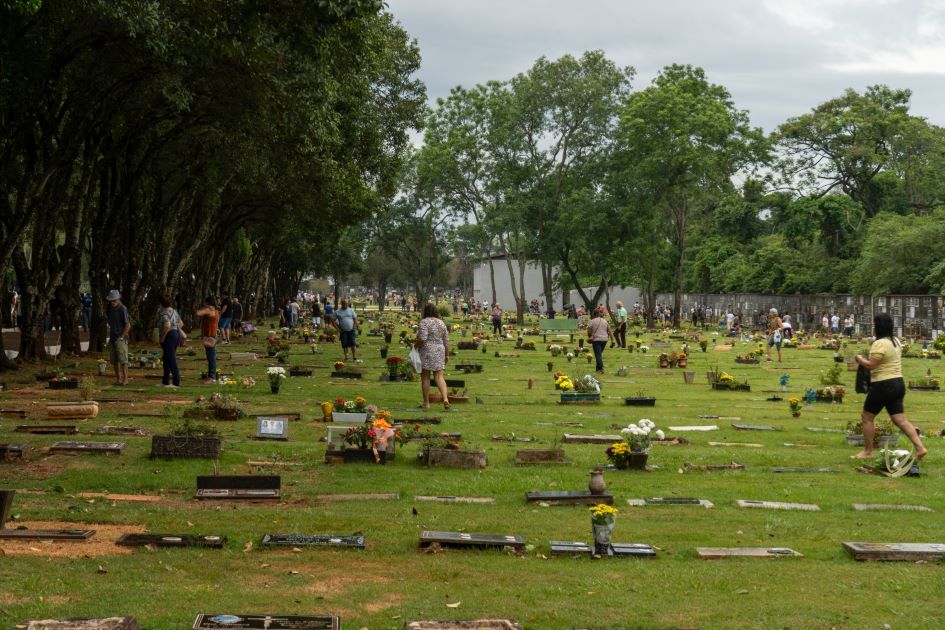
(888, 394)
(348, 338)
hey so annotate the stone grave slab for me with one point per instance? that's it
(701, 427)
(451, 499)
(72, 411)
(421, 420)
(579, 425)
(171, 540)
(375, 496)
(242, 357)
(663, 501)
(755, 427)
(12, 451)
(866, 507)
(616, 550)
(46, 534)
(569, 497)
(745, 444)
(316, 540)
(104, 623)
(891, 552)
(712, 467)
(575, 438)
(825, 430)
(800, 469)
(126, 431)
(212, 621)
(707, 417)
(239, 487)
(717, 553)
(778, 505)
(450, 382)
(12, 413)
(353, 375)
(476, 624)
(272, 428)
(105, 448)
(139, 498)
(467, 540)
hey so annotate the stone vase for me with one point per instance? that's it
(597, 484)
(603, 533)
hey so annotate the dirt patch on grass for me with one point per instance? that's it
(101, 544)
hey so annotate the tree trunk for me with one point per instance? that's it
(547, 287)
(492, 280)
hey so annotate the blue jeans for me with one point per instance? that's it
(169, 346)
(211, 362)
(599, 353)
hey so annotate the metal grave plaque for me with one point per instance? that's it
(316, 540)
(214, 621)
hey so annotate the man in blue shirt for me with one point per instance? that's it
(346, 320)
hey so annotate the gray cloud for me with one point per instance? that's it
(778, 58)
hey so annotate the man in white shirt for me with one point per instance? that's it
(835, 323)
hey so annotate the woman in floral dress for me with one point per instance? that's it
(433, 344)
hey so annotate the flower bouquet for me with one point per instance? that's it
(795, 403)
(603, 518)
(276, 376)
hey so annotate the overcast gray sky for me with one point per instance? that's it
(778, 58)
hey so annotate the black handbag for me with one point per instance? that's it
(862, 380)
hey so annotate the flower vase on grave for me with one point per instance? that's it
(384, 354)
(326, 411)
(274, 388)
(603, 533)
(597, 484)
(101, 369)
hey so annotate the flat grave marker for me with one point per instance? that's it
(12, 451)
(579, 425)
(315, 540)
(46, 534)
(615, 550)
(125, 431)
(574, 438)
(712, 467)
(745, 444)
(171, 540)
(778, 505)
(105, 448)
(12, 413)
(865, 507)
(800, 469)
(375, 496)
(755, 427)
(105, 623)
(824, 430)
(462, 539)
(142, 498)
(663, 501)
(476, 624)
(239, 487)
(717, 553)
(699, 427)
(272, 428)
(569, 497)
(213, 621)
(452, 499)
(709, 417)
(891, 552)
(450, 382)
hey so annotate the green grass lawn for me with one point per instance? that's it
(392, 581)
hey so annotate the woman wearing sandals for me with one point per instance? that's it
(887, 388)
(433, 344)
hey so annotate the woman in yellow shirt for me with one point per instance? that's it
(887, 388)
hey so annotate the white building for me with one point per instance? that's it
(482, 286)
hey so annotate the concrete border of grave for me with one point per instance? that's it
(895, 552)
(455, 458)
(670, 501)
(540, 456)
(718, 553)
(72, 410)
(85, 623)
(476, 624)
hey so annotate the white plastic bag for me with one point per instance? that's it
(414, 358)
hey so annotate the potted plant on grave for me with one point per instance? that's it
(929, 382)
(682, 360)
(555, 349)
(603, 519)
(372, 441)
(640, 400)
(102, 365)
(351, 411)
(444, 451)
(663, 360)
(831, 394)
(218, 406)
(272, 343)
(634, 451)
(61, 381)
(276, 376)
(704, 344)
(795, 404)
(187, 439)
(884, 434)
(583, 390)
(393, 367)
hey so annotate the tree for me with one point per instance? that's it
(901, 255)
(686, 141)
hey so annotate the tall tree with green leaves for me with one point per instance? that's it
(687, 140)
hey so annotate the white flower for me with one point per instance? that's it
(646, 422)
(645, 430)
(632, 425)
(660, 435)
(637, 431)
(624, 431)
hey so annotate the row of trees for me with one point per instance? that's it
(191, 147)
(669, 188)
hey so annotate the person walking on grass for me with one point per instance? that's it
(598, 332)
(209, 324)
(346, 320)
(887, 388)
(119, 329)
(774, 333)
(433, 344)
(170, 328)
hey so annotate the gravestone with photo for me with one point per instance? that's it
(272, 428)
(215, 621)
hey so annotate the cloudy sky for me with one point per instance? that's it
(778, 58)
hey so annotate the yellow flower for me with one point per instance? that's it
(602, 510)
